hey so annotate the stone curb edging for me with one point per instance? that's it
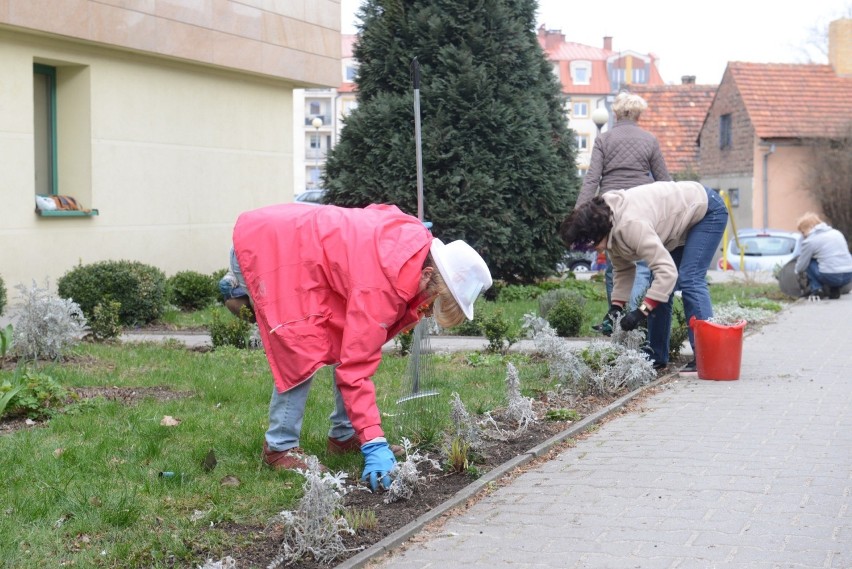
(401, 535)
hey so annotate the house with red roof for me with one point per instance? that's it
(675, 115)
(590, 77)
(757, 137)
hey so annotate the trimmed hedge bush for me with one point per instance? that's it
(566, 317)
(191, 290)
(140, 289)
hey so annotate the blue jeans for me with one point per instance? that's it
(233, 285)
(692, 260)
(640, 283)
(287, 410)
(816, 279)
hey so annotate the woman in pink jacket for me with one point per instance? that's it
(330, 286)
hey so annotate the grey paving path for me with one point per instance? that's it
(754, 473)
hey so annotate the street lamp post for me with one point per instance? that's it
(317, 123)
(600, 117)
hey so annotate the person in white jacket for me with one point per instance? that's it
(824, 257)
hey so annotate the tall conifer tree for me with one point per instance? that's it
(498, 158)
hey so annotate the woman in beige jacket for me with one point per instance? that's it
(676, 228)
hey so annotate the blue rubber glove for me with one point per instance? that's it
(378, 462)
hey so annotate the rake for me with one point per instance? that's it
(413, 405)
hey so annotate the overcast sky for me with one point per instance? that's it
(689, 38)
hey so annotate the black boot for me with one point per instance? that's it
(834, 292)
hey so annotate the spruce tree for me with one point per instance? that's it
(498, 158)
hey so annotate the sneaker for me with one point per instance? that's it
(290, 459)
(337, 446)
(834, 293)
(660, 366)
(689, 368)
(353, 444)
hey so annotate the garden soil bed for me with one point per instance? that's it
(262, 544)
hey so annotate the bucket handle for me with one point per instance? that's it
(694, 322)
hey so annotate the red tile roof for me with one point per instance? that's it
(793, 100)
(675, 115)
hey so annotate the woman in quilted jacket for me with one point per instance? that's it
(624, 157)
(330, 286)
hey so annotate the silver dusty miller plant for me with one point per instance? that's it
(464, 426)
(731, 313)
(316, 528)
(406, 479)
(602, 368)
(520, 408)
(47, 324)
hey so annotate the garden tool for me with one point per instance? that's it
(415, 410)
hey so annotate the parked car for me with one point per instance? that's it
(577, 261)
(312, 197)
(763, 249)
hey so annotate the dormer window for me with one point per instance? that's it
(581, 72)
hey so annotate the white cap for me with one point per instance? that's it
(464, 271)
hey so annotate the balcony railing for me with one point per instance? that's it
(326, 120)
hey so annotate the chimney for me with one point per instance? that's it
(840, 46)
(608, 43)
(553, 38)
(687, 79)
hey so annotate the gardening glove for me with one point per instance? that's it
(378, 463)
(609, 319)
(633, 320)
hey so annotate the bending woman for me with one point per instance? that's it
(676, 228)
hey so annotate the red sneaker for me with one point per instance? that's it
(290, 459)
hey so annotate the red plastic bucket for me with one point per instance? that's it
(718, 349)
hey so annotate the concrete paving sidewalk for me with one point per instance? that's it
(754, 473)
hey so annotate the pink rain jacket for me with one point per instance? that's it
(332, 285)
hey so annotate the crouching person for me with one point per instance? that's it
(824, 257)
(330, 286)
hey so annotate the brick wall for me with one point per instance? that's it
(737, 159)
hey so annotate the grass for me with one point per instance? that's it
(85, 489)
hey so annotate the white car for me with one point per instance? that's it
(311, 197)
(762, 249)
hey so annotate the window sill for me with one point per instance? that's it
(66, 213)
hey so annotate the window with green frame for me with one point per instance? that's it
(65, 87)
(44, 110)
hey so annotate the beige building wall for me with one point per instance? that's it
(169, 149)
(783, 193)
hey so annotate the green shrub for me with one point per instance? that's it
(566, 317)
(2, 295)
(191, 290)
(510, 293)
(105, 323)
(139, 288)
(405, 340)
(551, 298)
(234, 332)
(680, 330)
(498, 331)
